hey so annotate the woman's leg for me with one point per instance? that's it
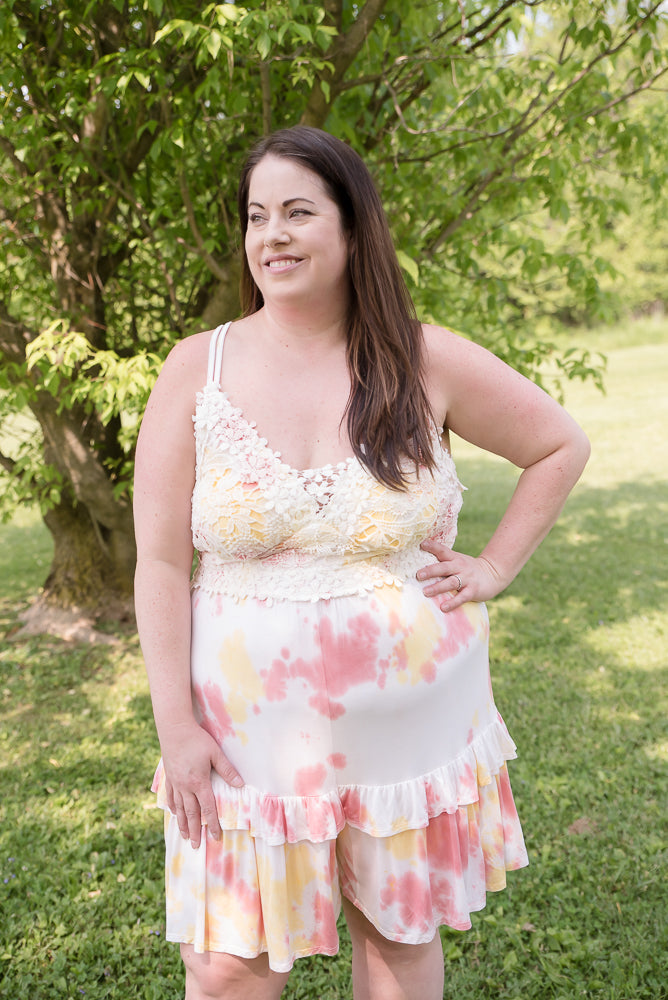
(387, 970)
(217, 976)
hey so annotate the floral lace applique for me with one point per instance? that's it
(266, 530)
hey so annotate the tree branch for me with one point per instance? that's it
(62, 434)
(8, 148)
(525, 124)
(208, 259)
(460, 22)
(14, 336)
(528, 121)
(490, 34)
(72, 455)
(341, 54)
(626, 96)
(265, 88)
(454, 223)
(400, 108)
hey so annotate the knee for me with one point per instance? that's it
(210, 975)
(387, 969)
(394, 954)
(367, 939)
(215, 975)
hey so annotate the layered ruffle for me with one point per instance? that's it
(378, 810)
(244, 896)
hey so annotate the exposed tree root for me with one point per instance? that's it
(70, 624)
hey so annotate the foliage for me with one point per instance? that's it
(579, 667)
(99, 382)
(500, 136)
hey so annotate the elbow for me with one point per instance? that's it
(585, 447)
(580, 448)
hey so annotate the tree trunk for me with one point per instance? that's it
(92, 567)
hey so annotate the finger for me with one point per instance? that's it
(193, 815)
(446, 583)
(439, 549)
(181, 818)
(436, 571)
(209, 812)
(226, 770)
(452, 601)
(432, 571)
(169, 795)
(188, 817)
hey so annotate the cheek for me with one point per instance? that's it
(251, 250)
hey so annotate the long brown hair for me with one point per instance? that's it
(388, 415)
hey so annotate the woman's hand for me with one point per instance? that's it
(457, 578)
(189, 755)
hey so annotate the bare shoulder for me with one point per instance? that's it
(173, 399)
(459, 364)
(189, 356)
(489, 403)
(184, 372)
(453, 366)
(445, 348)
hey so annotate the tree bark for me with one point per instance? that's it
(92, 530)
(92, 567)
(341, 55)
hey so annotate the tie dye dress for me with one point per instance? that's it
(359, 715)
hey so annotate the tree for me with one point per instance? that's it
(123, 128)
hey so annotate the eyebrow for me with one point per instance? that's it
(288, 201)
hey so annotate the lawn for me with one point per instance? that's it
(579, 662)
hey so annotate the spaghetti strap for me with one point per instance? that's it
(216, 354)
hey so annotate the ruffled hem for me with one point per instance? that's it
(242, 896)
(378, 810)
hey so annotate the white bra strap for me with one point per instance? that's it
(216, 354)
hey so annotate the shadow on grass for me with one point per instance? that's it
(580, 671)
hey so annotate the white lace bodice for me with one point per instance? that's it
(267, 530)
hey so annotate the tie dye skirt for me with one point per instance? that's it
(374, 762)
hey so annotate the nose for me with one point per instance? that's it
(275, 233)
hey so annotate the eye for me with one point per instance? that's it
(299, 211)
(254, 218)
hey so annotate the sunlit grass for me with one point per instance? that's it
(580, 665)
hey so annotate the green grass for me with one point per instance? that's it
(580, 664)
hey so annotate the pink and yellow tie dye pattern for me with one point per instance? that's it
(374, 761)
(359, 715)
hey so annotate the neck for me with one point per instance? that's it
(289, 324)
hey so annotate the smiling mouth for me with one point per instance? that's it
(278, 265)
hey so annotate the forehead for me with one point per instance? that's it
(282, 177)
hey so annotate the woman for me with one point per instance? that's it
(321, 688)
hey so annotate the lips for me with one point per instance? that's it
(281, 263)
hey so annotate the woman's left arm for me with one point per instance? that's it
(497, 409)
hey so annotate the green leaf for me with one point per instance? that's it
(264, 45)
(409, 266)
(213, 42)
(304, 32)
(166, 30)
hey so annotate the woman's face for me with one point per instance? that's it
(296, 248)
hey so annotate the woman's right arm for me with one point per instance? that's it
(164, 479)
